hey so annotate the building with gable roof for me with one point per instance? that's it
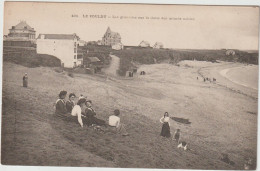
(158, 45)
(111, 38)
(144, 44)
(63, 46)
(21, 31)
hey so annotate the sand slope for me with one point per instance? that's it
(222, 120)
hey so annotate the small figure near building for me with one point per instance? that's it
(25, 80)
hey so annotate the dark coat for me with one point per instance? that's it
(69, 106)
(60, 108)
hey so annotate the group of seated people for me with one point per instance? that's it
(83, 113)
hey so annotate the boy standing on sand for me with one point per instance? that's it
(25, 80)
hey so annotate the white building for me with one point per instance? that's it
(62, 46)
(118, 46)
(144, 44)
(158, 45)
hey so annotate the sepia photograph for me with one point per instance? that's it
(110, 85)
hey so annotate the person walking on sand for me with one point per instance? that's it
(165, 125)
(25, 80)
(114, 121)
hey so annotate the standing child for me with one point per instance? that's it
(166, 126)
(25, 80)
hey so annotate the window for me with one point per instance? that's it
(75, 50)
(75, 44)
(75, 56)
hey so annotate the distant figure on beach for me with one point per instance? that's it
(25, 80)
(90, 115)
(166, 125)
(197, 78)
(114, 121)
(61, 105)
(71, 102)
(214, 79)
(76, 115)
(204, 79)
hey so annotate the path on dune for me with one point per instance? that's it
(114, 66)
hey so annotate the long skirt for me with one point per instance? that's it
(25, 83)
(93, 120)
(166, 130)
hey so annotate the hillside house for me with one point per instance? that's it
(144, 44)
(111, 38)
(158, 45)
(63, 46)
(99, 42)
(93, 63)
(21, 32)
(118, 46)
(82, 43)
(230, 52)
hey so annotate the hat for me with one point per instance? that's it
(62, 93)
(116, 112)
(72, 94)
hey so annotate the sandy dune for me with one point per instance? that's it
(223, 116)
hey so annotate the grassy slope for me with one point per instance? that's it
(40, 139)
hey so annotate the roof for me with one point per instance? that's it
(93, 59)
(145, 42)
(158, 43)
(113, 34)
(58, 36)
(23, 25)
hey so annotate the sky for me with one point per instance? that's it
(207, 27)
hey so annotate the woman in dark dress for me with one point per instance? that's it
(91, 116)
(70, 103)
(60, 105)
(166, 125)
